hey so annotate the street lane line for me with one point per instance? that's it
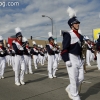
(41, 74)
(86, 82)
(62, 77)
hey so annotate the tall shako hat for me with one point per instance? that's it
(50, 36)
(34, 43)
(18, 32)
(1, 39)
(73, 19)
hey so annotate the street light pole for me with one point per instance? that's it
(51, 21)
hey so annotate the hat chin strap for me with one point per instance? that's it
(75, 28)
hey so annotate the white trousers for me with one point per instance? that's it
(35, 60)
(92, 57)
(98, 60)
(88, 57)
(8, 60)
(45, 56)
(52, 65)
(19, 68)
(2, 66)
(57, 58)
(60, 57)
(42, 60)
(76, 74)
(28, 64)
(13, 62)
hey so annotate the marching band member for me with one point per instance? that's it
(3, 53)
(34, 51)
(52, 63)
(19, 58)
(88, 52)
(93, 51)
(39, 56)
(42, 55)
(71, 53)
(45, 54)
(13, 58)
(8, 56)
(98, 52)
(27, 58)
(57, 52)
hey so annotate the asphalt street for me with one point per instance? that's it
(39, 87)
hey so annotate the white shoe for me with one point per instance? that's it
(26, 72)
(17, 83)
(89, 65)
(36, 68)
(54, 76)
(56, 69)
(22, 82)
(2, 77)
(30, 72)
(50, 77)
(76, 98)
(98, 68)
(69, 94)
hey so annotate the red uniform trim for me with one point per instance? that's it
(63, 52)
(77, 34)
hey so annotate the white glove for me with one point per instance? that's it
(21, 49)
(2, 53)
(68, 63)
(28, 51)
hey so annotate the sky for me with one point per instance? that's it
(28, 16)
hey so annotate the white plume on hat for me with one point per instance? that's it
(50, 34)
(1, 38)
(71, 12)
(41, 46)
(24, 39)
(34, 42)
(55, 42)
(17, 30)
(38, 45)
(8, 45)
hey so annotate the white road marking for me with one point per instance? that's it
(62, 77)
(86, 82)
(41, 74)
